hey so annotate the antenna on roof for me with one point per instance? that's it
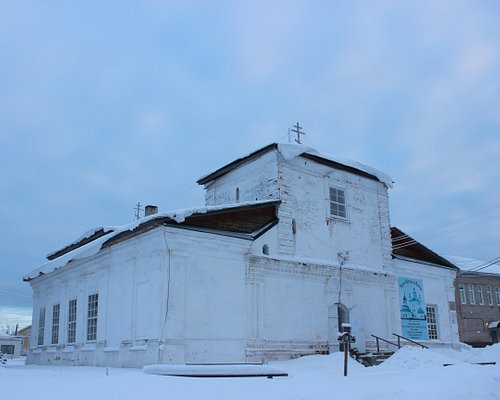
(297, 130)
(138, 208)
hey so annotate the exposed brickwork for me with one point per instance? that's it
(473, 319)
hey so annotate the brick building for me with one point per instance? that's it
(478, 307)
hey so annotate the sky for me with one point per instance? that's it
(104, 104)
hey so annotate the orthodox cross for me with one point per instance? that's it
(138, 210)
(297, 130)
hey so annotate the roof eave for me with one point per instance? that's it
(235, 164)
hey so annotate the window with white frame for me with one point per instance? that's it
(489, 295)
(337, 203)
(461, 289)
(472, 298)
(72, 321)
(56, 312)
(432, 326)
(497, 295)
(41, 326)
(480, 294)
(93, 304)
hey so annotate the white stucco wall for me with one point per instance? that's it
(256, 180)
(303, 187)
(201, 277)
(304, 192)
(438, 291)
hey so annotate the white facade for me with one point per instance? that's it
(172, 295)
(439, 293)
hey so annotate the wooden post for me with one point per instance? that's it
(346, 341)
(346, 355)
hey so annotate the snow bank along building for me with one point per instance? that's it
(290, 244)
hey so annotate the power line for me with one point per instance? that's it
(20, 296)
(485, 264)
(457, 220)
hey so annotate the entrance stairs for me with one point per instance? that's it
(381, 349)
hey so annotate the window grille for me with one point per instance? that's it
(56, 311)
(472, 298)
(463, 299)
(489, 295)
(92, 316)
(432, 327)
(41, 326)
(337, 203)
(480, 294)
(72, 321)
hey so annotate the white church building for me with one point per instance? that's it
(290, 244)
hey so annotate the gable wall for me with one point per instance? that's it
(256, 180)
(304, 192)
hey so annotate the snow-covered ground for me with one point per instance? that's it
(411, 374)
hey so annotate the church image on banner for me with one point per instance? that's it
(290, 244)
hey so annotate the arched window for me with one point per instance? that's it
(265, 249)
(237, 194)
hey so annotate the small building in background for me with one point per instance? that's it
(10, 346)
(477, 289)
(25, 333)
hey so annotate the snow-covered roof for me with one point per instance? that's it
(472, 265)
(290, 151)
(93, 247)
(87, 235)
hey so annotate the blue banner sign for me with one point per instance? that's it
(411, 300)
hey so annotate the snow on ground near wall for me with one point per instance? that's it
(412, 374)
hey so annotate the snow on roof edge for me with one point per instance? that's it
(85, 235)
(290, 151)
(93, 247)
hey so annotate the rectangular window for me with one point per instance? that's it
(7, 349)
(41, 326)
(432, 328)
(72, 321)
(56, 311)
(497, 295)
(337, 203)
(92, 317)
(480, 294)
(489, 294)
(463, 299)
(472, 298)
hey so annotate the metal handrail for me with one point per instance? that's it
(377, 338)
(408, 340)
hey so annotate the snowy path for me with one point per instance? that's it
(410, 375)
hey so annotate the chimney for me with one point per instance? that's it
(150, 210)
